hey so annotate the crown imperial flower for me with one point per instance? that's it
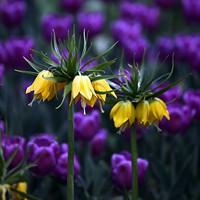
(123, 114)
(43, 87)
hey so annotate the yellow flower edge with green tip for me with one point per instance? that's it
(43, 88)
(157, 111)
(142, 112)
(123, 114)
(82, 89)
(21, 187)
(102, 86)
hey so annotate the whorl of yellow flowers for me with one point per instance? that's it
(146, 112)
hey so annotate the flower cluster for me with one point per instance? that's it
(88, 129)
(45, 154)
(122, 170)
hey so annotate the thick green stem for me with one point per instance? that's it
(70, 133)
(134, 192)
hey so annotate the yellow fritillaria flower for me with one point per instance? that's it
(142, 112)
(102, 86)
(21, 187)
(123, 114)
(157, 111)
(43, 88)
(82, 89)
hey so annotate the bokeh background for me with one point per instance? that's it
(167, 31)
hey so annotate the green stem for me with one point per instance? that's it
(70, 133)
(134, 193)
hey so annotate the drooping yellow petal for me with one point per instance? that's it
(142, 112)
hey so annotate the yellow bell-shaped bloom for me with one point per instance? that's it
(157, 111)
(21, 187)
(102, 86)
(82, 89)
(43, 88)
(123, 114)
(142, 112)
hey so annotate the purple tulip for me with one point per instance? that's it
(72, 6)
(43, 151)
(191, 10)
(12, 13)
(180, 119)
(149, 17)
(173, 94)
(91, 22)
(98, 142)
(192, 99)
(122, 170)
(57, 23)
(16, 49)
(122, 29)
(61, 169)
(11, 145)
(86, 126)
(165, 46)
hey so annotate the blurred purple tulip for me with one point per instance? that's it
(43, 151)
(16, 49)
(12, 13)
(57, 23)
(11, 145)
(2, 70)
(122, 170)
(61, 169)
(180, 119)
(91, 22)
(165, 4)
(98, 142)
(86, 126)
(192, 99)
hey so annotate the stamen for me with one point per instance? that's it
(83, 105)
(101, 107)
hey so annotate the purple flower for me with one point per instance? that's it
(134, 49)
(61, 169)
(11, 145)
(122, 29)
(165, 46)
(191, 10)
(3, 56)
(91, 22)
(57, 23)
(12, 13)
(16, 49)
(149, 17)
(192, 99)
(2, 70)
(180, 119)
(43, 151)
(72, 5)
(122, 170)
(98, 142)
(165, 4)
(86, 126)
(173, 94)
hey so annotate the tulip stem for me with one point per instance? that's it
(70, 133)
(134, 193)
